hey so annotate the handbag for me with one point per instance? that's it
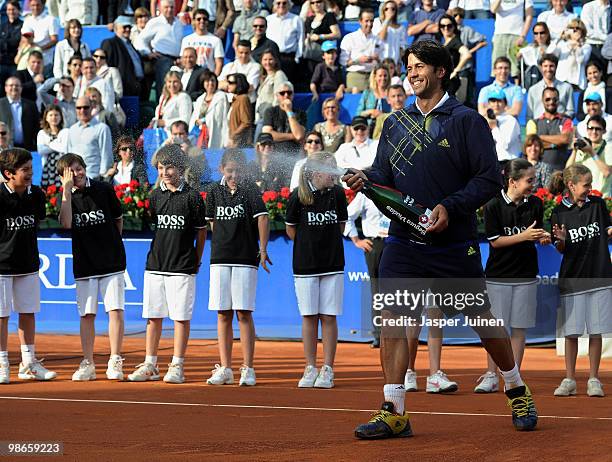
(312, 51)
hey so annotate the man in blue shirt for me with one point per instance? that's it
(514, 93)
(424, 23)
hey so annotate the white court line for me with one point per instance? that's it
(289, 408)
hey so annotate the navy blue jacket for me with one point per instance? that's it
(447, 157)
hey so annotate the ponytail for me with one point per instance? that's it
(556, 185)
(316, 162)
(515, 170)
(560, 180)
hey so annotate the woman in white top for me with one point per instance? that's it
(595, 84)
(556, 18)
(110, 74)
(573, 53)
(70, 46)
(390, 32)
(51, 144)
(210, 111)
(271, 79)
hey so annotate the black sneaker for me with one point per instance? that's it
(524, 413)
(385, 423)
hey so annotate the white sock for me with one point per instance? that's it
(177, 360)
(4, 357)
(512, 377)
(115, 357)
(395, 393)
(151, 360)
(28, 355)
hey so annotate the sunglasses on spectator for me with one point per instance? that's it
(280, 3)
(201, 18)
(126, 148)
(99, 56)
(360, 128)
(259, 26)
(335, 108)
(3, 133)
(231, 82)
(127, 26)
(539, 32)
(285, 93)
(390, 8)
(313, 141)
(595, 129)
(459, 16)
(66, 85)
(82, 108)
(446, 26)
(551, 100)
(315, 2)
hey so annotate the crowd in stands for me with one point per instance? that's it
(58, 95)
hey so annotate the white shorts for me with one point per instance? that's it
(515, 304)
(232, 288)
(168, 296)
(320, 294)
(589, 312)
(111, 288)
(20, 294)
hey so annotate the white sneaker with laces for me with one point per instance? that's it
(410, 381)
(595, 388)
(247, 376)
(325, 379)
(4, 373)
(566, 388)
(144, 372)
(115, 369)
(439, 383)
(175, 374)
(221, 376)
(35, 371)
(309, 378)
(489, 383)
(85, 372)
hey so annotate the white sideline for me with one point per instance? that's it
(290, 408)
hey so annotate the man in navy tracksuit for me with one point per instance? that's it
(440, 154)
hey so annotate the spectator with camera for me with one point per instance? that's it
(505, 128)
(573, 53)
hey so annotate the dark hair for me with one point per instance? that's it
(43, 120)
(315, 133)
(201, 11)
(593, 63)
(75, 58)
(457, 11)
(546, 29)
(242, 84)
(67, 160)
(261, 17)
(501, 59)
(268, 51)
(244, 43)
(553, 89)
(396, 86)
(599, 119)
(531, 140)
(515, 170)
(549, 57)
(560, 179)
(13, 159)
(171, 154)
(233, 155)
(451, 19)
(36, 54)
(433, 54)
(15, 3)
(366, 10)
(67, 77)
(122, 141)
(181, 123)
(88, 59)
(73, 22)
(209, 75)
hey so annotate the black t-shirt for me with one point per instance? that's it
(278, 120)
(177, 217)
(586, 260)
(19, 218)
(323, 28)
(326, 79)
(235, 231)
(318, 249)
(97, 247)
(515, 263)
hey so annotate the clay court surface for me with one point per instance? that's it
(110, 421)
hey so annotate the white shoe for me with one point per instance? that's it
(35, 371)
(4, 373)
(221, 376)
(144, 372)
(489, 383)
(594, 387)
(439, 383)
(566, 388)
(410, 380)
(85, 372)
(175, 374)
(309, 378)
(114, 370)
(325, 379)
(247, 376)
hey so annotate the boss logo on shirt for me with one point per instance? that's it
(22, 222)
(95, 217)
(229, 213)
(170, 221)
(322, 218)
(583, 232)
(510, 231)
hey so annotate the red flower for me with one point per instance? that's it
(203, 194)
(53, 201)
(61, 189)
(350, 195)
(146, 203)
(134, 184)
(279, 205)
(558, 199)
(596, 193)
(285, 193)
(127, 200)
(119, 194)
(52, 189)
(269, 196)
(140, 204)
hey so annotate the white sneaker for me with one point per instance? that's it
(35, 371)
(325, 379)
(247, 376)
(309, 378)
(594, 387)
(410, 381)
(566, 388)
(85, 372)
(144, 372)
(489, 383)
(4, 373)
(114, 370)
(439, 383)
(175, 374)
(221, 376)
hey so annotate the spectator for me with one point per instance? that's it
(225, 16)
(260, 43)
(548, 67)
(161, 42)
(319, 27)
(101, 114)
(191, 77)
(394, 70)
(210, 113)
(573, 53)
(10, 36)
(265, 170)
(241, 115)
(359, 53)
(208, 47)
(85, 11)
(121, 55)
(472, 9)
(128, 165)
(594, 107)
(174, 103)
(74, 68)
(243, 65)
(354, 8)
(595, 84)
(273, 78)
(532, 54)
(333, 132)
(32, 77)
(284, 124)
(108, 73)
(533, 149)
(557, 18)
(6, 140)
(397, 100)
(51, 144)
(554, 129)
(596, 154)
(505, 128)
(313, 143)
(243, 24)
(514, 94)
(373, 100)
(424, 22)
(70, 46)
(46, 29)
(141, 17)
(512, 23)
(596, 17)
(180, 7)
(391, 34)
(26, 46)
(24, 128)
(63, 98)
(327, 76)
(113, 9)
(287, 30)
(460, 55)
(197, 173)
(90, 79)
(361, 150)
(91, 140)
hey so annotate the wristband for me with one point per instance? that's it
(290, 114)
